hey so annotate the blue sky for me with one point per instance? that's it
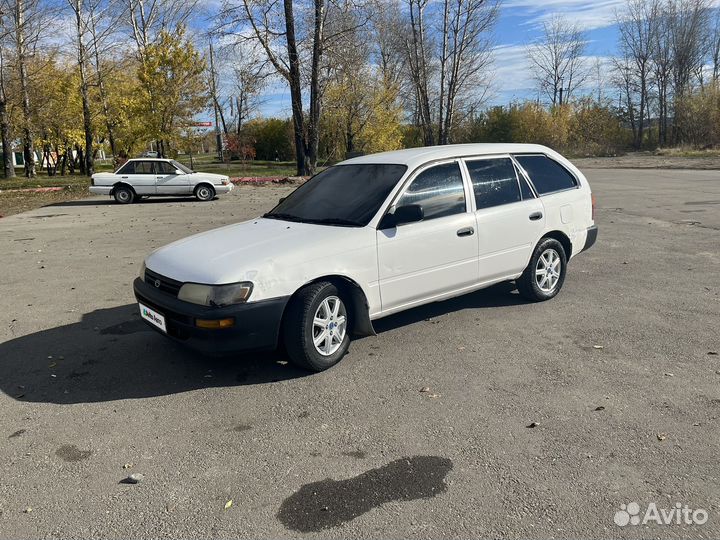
(520, 23)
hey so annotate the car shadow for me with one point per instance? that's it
(112, 354)
(111, 202)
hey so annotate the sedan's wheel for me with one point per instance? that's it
(204, 193)
(316, 327)
(544, 276)
(124, 195)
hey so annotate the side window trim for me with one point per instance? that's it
(526, 177)
(572, 174)
(466, 170)
(417, 172)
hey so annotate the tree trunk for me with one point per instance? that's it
(89, 164)
(314, 121)
(8, 166)
(28, 146)
(295, 83)
(101, 87)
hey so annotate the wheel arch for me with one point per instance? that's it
(360, 308)
(204, 183)
(564, 240)
(123, 184)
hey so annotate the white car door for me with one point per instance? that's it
(169, 182)
(510, 219)
(433, 257)
(140, 175)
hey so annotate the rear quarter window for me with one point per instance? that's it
(547, 175)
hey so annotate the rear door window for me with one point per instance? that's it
(144, 167)
(165, 168)
(494, 182)
(547, 175)
(438, 190)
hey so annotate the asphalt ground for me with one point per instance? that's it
(615, 374)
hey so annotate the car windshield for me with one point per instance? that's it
(345, 195)
(182, 167)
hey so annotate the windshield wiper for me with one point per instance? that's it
(281, 216)
(335, 221)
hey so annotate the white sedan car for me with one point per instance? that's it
(150, 177)
(369, 237)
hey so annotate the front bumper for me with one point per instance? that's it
(257, 324)
(591, 238)
(224, 188)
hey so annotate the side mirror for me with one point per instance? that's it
(410, 213)
(178, 171)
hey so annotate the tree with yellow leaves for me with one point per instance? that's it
(172, 87)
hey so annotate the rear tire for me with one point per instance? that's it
(124, 195)
(204, 193)
(545, 273)
(316, 327)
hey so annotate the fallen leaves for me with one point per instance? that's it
(661, 436)
(228, 504)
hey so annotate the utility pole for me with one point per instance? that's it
(213, 89)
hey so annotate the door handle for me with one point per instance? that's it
(535, 216)
(467, 231)
(124, 177)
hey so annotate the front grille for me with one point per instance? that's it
(162, 283)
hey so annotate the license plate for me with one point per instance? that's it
(153, 317)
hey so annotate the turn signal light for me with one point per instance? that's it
(215, 324)
(592, 196)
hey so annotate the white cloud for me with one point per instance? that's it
(513, 74)
(588, 15)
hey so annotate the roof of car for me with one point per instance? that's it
(413, 157)
(149, 159)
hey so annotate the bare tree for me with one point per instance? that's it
(448, 62)
(714, 42)
(557, 59)
(24, 24)
(147, 18)
(662, 65)
(637, 27)
(103, 21)
(81, 28)
(688, 34)
(464, 57)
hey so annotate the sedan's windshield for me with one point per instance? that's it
(345, 195)
(183, 168)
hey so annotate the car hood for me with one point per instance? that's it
(259, 249)
(208, 176)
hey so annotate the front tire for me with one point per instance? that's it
(316, 328)
(204, 193)
(545, 274)
(124, 195)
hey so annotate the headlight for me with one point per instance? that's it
(216, 295)
(142, 271)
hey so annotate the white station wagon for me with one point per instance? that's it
(369, 237)
(145, 177)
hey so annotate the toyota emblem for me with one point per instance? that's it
(157, 283)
